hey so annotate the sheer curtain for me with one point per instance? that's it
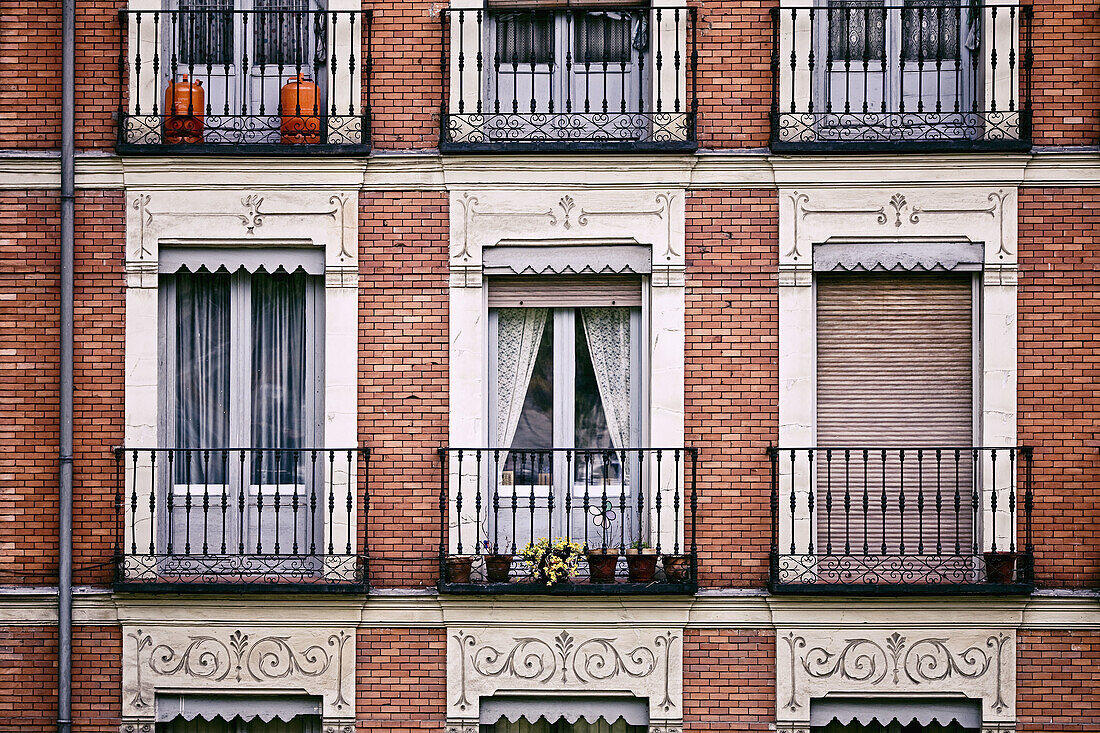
(278, 374)
(519, 333)
(202, 374)
(607, 331)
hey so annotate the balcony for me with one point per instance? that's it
(230, 519)
(915, 77)
(901, 520)
(579, 79)
(245, 81)
(630, 513)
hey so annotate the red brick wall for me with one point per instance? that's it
(28, 678)
(734, 74)
(1066, 74)
(97, 679)
(30, 75)
(731, 377)
(729, 680)
(29, 313)
(406, 80)
(97, 87)
(403, 377)
(98, 399)
(402, 680)
(1058, 681)
(1059, 378)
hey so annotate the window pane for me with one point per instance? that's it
(535, 429)
(857, 30)
(603, 37)
(205, 33)
(202, 373)
(929, 31)
(282, 31)
(278, 375)
(525, 38)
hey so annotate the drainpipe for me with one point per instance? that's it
(65, 478)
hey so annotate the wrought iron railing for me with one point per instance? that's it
(850, 75)
(582, 78)
(289, 81)
(249, 516)
(625, 502)
(920, 519)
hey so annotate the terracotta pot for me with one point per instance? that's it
(184, 104)
(641, 565)
(1000, 566)
(497, 568)
(601, 565)
(677, 568)
(458, 568)
(301, 121)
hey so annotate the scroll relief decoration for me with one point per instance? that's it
(242, 658)
(567, 660)
(898, 661)
(564, 213)
(250, 217)
(898, 211)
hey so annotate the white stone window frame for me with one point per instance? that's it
(242, 219)
(867, 215)
(480, 219)
(466, 85)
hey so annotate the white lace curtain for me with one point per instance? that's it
(607, 331)
(519, 333)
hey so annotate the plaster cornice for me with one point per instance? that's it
(386, 171)
(1056, 610)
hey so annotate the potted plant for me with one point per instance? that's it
(552, 561)
(641, 562)
(1000, 566)
(498, 567)
(677, 568)
(459, 567)
(603, 559)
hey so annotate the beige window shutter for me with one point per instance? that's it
(894, 368)
(565, 292)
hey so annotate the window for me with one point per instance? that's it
(240, 363)
(908, 57)
(299, 724)
(565, 396)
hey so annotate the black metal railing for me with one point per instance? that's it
(919, 519)
(598, 78)
(922, 74)
(248, 516)
(494, 501)
(274, 80)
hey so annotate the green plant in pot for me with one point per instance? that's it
(602, 558)
(552, 561)
(641, 562)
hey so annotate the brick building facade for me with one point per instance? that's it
(795, 302)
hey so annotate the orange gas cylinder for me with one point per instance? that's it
(301, 112)
(184, 102)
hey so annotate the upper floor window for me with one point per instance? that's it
(615, 76)
(281, 73)
(870, 74)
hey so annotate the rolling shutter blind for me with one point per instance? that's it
(565, 292)
(894, 369)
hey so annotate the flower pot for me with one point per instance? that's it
(641, 565)
(458, 568)
(601, 565)
(498, 568)
(677, 568)
(1000, 566)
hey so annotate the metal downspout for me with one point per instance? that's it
(65, 478)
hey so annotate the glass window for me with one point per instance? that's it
(205, 32)
(525, 38)
(857, 30)
(929, 31)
